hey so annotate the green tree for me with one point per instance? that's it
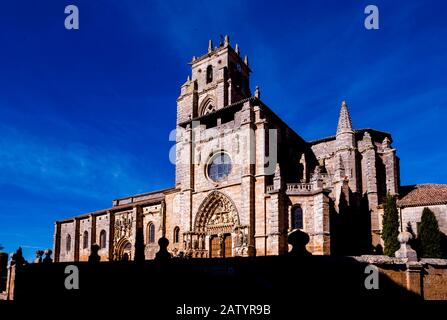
(390, 226)
(429, 236)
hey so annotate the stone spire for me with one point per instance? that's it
(344, 121)
(246, 60)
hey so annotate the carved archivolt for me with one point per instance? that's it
(217, 214)
(122, 246)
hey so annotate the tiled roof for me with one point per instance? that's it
(423, 195)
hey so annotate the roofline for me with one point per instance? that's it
(239, 103)
(356, 131)
(230, 106)
(146, 193)
(421, 204)
(130, 205)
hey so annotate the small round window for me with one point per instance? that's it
(219, 167)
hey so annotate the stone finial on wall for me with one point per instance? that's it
(277, 181)
(210, 46)
(257, 92)
(226, 40)
(47, 258)
(39, 254)
(386, 144)
(405, 251)
(317, 180)
(236, 49)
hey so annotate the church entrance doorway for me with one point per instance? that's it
(127, 249)
(217, 221)
(228, 246)
(221, 246)
(123, 251)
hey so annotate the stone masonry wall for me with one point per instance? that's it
(102, 223)
(67, 228)
(413, 216)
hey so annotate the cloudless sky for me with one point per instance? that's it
(85, 115)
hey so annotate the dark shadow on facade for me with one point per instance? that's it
(351, 225)
(139, 245)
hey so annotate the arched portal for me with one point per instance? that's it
(215, 226)
(217, 214)
(123, 250)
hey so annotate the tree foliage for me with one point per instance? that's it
(390, 226)
(429, 236)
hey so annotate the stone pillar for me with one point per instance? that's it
(320, 238)
(247, 214)
(10, 282)
(57, 241)
(390, 160)
(139, 232)
(260, 183)
(111, 234)
(92, 230)
(188, 175)
(163, 217)
(274, 232)
(414, 277)
(136, 213)
(222, 89)
(77, 237)
(368, 152)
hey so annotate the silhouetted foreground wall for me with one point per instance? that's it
(280, 281)
(426, 277)
(3, 270)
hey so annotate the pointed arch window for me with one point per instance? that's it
(176, 236)
(209, 74)
(102, 239)
(85, 240)
(68, 243)
(207, 105)
(297, 217)
(150, 232)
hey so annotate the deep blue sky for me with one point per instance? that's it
(85, 115)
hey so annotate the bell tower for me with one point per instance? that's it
(218, 78)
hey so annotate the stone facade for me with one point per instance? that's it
(244, 180)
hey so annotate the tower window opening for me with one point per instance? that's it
(209, 74)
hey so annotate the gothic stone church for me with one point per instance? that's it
(245, 179)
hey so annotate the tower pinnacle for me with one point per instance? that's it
(344, 121)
